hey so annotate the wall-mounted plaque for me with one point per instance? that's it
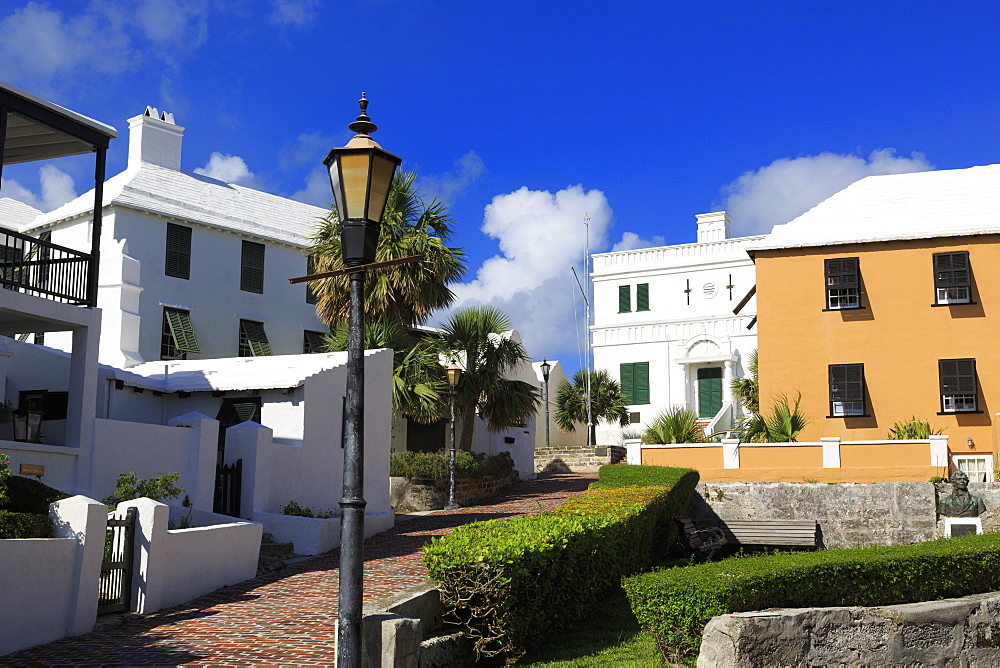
(32, 469)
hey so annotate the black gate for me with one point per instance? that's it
(115, 590)
(228, 488)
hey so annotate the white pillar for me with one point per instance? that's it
(252, 443)
(149, 578)
(939, 450)
(731, 453)
(203, 449)
(86, 521)
(831, 452)
(727, 382)
(81, 405)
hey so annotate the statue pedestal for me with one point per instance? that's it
(962, 526)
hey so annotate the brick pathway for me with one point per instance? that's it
(286, 618)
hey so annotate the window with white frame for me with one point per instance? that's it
(958, 386)
(978, 467)
(847, 390)
(843, 282)
(952, 278)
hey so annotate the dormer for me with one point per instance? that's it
(154, 138)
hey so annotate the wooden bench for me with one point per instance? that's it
(771, 533)
(703, 542)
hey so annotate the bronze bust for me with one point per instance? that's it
(960, 503)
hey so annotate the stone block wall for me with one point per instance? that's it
(849, 514)
(419, 495)
(577, 459)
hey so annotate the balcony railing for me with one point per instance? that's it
(44, 269)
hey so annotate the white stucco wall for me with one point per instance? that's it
(681, 331)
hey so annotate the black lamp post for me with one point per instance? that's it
(546, 367)
(360, 174)
(454, 375)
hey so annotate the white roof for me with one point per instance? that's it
(199, 199)
(103, 128)
(229, 373)
(14, 214)
(944, 203)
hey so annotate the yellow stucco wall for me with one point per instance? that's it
(689, 458)
(898, 336)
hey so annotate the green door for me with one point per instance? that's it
(709, 391)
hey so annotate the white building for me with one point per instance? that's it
(665, 327)
(191, 267)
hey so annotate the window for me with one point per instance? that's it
(178, 255)
(952, 279)
(635, 383)
(177, 337)
(642, 297)
(847, 390)
(978, 467)
(634, 417)
(624, 298)
(310, 269)
(252, 267)
(958, 386)
(236, 411)
(253, 340)
(312, 342)
(842, 283)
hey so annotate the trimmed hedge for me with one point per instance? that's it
(435, 465)
(24, 525)
(612, 476)
(27, 495)
(676, 604)
(509, 582)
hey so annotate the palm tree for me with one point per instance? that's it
(747, 390)
(784, 424)
(478, 337)
(607, 403)
(406, 293)
(419, 383)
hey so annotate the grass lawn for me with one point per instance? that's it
(609, 637)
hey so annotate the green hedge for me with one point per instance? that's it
(26, 495)
(24, 525)
(676, 604)
(630, 475)
(510, 582)
(435, 465)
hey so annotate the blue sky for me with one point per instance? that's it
(525, 115)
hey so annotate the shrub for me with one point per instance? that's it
(677, 425)
(24, 525)
(436, 465)
(27, 495)
(912, 429)
(293, 508)
(783, 425)
(4, 476)
(675, 604)
(129, 487)
(509, 582)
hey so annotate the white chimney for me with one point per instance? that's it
(154, 138)
(713, 226)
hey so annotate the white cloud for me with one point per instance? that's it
(449, 185)
(789, 187)
(317, 191)
(294, 12)
(173, 22)
(541, 236)
(632, 241)
(56, 185)
(228, 168)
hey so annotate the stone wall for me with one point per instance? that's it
(849, 515)
(577, 460)
(952, 632)
(418, 494)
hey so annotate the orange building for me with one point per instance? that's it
(882, 303)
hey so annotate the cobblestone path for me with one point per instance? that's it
(286, 618)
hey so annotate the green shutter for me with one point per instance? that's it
(626, 375)
(256, 337)
(182, 330)
(178, 255)
(641, 376)
(313, 342)
(310, 269)
(252, 267)
(642, 297)
(624, 298)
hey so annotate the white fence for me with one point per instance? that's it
(49, 586)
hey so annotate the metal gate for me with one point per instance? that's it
(228, 488)
(115, 592)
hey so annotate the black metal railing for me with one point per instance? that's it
(44, 269)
